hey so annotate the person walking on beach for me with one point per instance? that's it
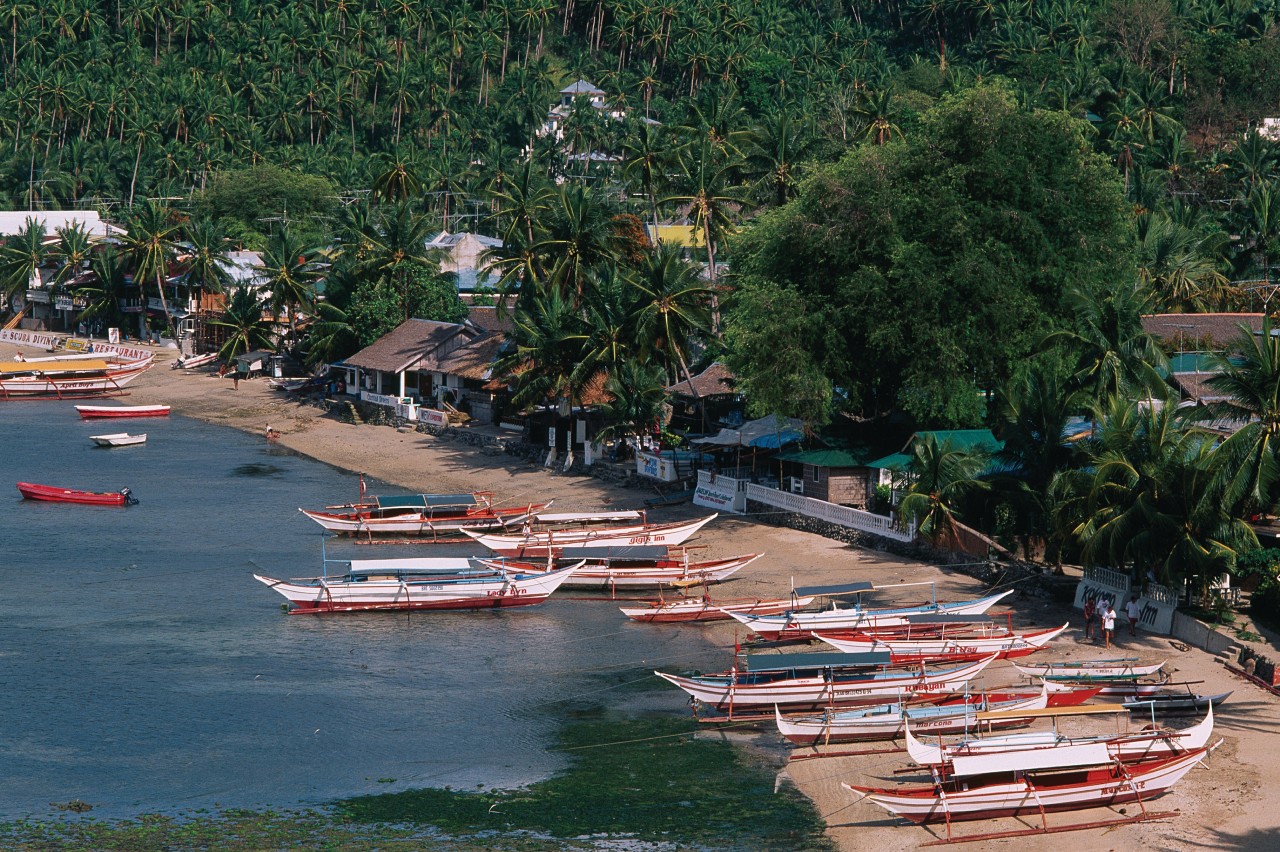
(1090, 615)
(1108, 622)
(1133, 610)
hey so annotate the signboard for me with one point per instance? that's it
(30, 338)
(383, 399)
(113, 335)
(133, 353)
(655, 467)
(432, 417)
(74, 345)
(720, 493)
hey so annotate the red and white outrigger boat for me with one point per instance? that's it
(1007, 790)
(803, 625)
(816, 680)
(379, 587)
(652, 566)
(889, 721)
(955, 640)
(705, 609)
(69, 377)
(424, 515)
(98, 412)
(553, 542)
(1039, 749)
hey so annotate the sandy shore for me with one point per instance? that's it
(1233, 802)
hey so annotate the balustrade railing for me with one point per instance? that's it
(833, 513)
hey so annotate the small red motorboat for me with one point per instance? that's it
(93, 412)
(52, 494)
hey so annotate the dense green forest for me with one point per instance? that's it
(918, 213)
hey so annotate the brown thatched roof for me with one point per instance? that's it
(1190, 330)
(407, 346)
(716, 380)
(473, 360)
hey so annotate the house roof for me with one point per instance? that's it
(828, 457)
(1194, 386)
(960, 439)
(15, 221)
(581, 87)
(713, 381)
(444, 239)
(405, 346)
(473, 360)
(686, 236)
(489, 318)
(1218, 330)
(893, 461)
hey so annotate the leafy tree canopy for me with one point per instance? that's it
(244, 198)
(926, 268)
(378, 305)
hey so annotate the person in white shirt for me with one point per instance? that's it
(1133, 610)
(1108, 622)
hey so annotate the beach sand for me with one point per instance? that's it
(1232, 802)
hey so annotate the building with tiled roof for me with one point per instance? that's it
(1192, 332)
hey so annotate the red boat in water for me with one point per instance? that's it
(52, 494)
(95, 412)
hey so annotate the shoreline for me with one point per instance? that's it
(1236, 803)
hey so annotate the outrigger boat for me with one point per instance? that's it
(424, 515)
(703, 608)
(68, 377)
(191, 362)
(1005, 789)
(889, 721)
(803, 625)
(1042, 749)
(119, 439)
(1124, 667)
(553, 542)
(816, 680)
(955, 638)
(53, 494)
(99, 412)
(651, 566)
(381, 585)
(1173, 702)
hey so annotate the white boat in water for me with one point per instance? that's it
(805, 624)
(553, 541)
(120, 439)
(384, 589)
(69, 377)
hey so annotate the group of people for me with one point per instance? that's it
(1102, 612)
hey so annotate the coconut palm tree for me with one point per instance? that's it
(22, 255)
(247, 331)
(103, 294)
(943, 475)
(638, 395)
(397, 239)
(290, 269)
(151, 243)
(674, 308)
(550, 338)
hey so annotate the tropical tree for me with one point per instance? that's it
(151, 243)
(396, 239)
(71, 253)
(943, 474)
(105, 289)
(208, 256)
(247, 331)
(637, 395)
(674, 307)
(544, 365)
(22, 255)
(290, 268)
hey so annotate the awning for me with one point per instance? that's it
(787, 662)
(845, 589)
(769, 432)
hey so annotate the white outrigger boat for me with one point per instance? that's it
(1127, 667)
(801, 624)
(1043, 749)
(69, 377)
(422, 515)
(889, 721)
(816, 680)
(646, 566)
(955, 640)
(555, 541)
(119, 439)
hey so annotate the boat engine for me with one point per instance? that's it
(128, 497)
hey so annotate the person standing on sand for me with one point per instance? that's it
(1133, 610)
(1090, 615)
(1108, 622)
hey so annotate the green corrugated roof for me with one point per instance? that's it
(894, 461)
(826, 458)
(966, 439)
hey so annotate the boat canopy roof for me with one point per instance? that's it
(844, 589)
(934, 618)
(62, 365)
(638, 551)
(427, 501)
(433, 564)
(785, 662)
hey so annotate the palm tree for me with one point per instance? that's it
(550, 337)
(290, 270)
(23, 254)
(1250, 381)
(644, 153)
(396, 179)
(104, 294)
(943, 474)
(246, 329)
(1179, 267)
(331, 337)
(674, 307)
(151, 242)
(578, 238)
(638, 394)
(208, 259)
(397, 239)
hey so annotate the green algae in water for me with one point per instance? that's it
(645, 778)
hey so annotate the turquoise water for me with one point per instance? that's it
(143, 669)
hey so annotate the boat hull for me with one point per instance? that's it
(417, 523)
(888, 722)
(552, 543)
(951, 650)
(1047, 791)
(71, 386)
(52, 494)
(122, 439)
(803, 625)
(663, 573)
(699, 609)
(107, 412)
(426, 593)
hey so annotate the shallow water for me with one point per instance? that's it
(143, 669)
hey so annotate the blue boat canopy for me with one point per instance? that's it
(786, 662)
(637, 552)
(846, 589)
(427, 501)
